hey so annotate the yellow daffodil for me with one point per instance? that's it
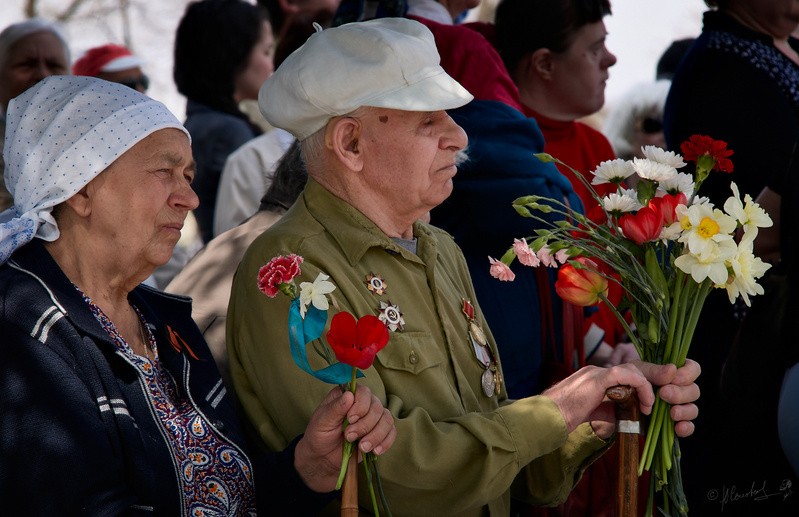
(704, 230)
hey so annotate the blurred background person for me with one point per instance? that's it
(29, 52)
(223, 54)
(749, 44)
(113, 63)
(636, 119)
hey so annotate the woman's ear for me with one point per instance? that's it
(343, 137)
(80, 202)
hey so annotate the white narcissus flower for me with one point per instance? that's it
(315, 293)
(656, 154)
(619, 203)
(712, 265)
(652, 170)
(746, 269)
(612, 171)
(681, 182)
(705, 229)
(750, 215)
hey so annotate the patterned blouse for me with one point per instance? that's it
(216, 478)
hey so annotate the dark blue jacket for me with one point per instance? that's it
(77, 433)
(214, 135)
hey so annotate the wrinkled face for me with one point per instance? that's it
(412, 159)
(259, 67)
(30, 60)
(140, 201)
(581, 72)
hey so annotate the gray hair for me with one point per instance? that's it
(640, 101)
(17, 31)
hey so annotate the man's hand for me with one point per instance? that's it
(317, 457)
(581, 396)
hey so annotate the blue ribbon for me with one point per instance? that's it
(303, 331)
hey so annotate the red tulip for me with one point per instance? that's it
(667, 206)
(357, 343)
(643, 226)
(581, 286)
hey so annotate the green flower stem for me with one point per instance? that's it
(623, 322)
(347, 450)
(368, 470)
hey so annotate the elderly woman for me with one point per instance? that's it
(110, 401)
(29, 51)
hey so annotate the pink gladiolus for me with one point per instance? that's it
(643, 226)
(525, 255)
(501, 271)
(581, 287)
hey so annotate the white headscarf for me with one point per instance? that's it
(15, 32)
(60, 134)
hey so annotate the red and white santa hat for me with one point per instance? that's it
(105, 58)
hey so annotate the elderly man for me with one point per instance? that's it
(368, 102)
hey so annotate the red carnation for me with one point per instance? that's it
(702, 147)
(281, 270)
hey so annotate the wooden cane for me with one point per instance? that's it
(627, 430)
(349, 489)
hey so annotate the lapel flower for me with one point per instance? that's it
(278, 275)
(315, 293)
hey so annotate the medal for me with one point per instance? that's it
(391, 316)
(376, 284)
(490, 379)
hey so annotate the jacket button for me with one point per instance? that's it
(412, 358)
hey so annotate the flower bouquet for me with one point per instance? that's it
(666, 248)
(354, 343)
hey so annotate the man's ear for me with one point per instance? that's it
(540, 63)
(343, 138)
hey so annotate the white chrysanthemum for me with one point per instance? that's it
(749, 214)
(315, 293)
(653, 170)
(746, 269)
(656, 154)
(712, 265)
(681, 182)
(612, 171)
(619, 203)
(705, 229)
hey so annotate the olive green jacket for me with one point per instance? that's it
(458, 451)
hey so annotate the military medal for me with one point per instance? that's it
(491, 379)
(376, 284)
(390, 314)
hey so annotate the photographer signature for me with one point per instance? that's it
(757, 491)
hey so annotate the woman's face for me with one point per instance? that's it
(779, 18)
(30, 60)
(259, 67)
(139, 203)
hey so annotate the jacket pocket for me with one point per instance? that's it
(411, 352)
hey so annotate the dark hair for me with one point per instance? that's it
(289, 180)
(524, 26)
(213, 43)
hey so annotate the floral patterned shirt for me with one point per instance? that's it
(216, 478)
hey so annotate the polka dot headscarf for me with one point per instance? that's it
(60, 134)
